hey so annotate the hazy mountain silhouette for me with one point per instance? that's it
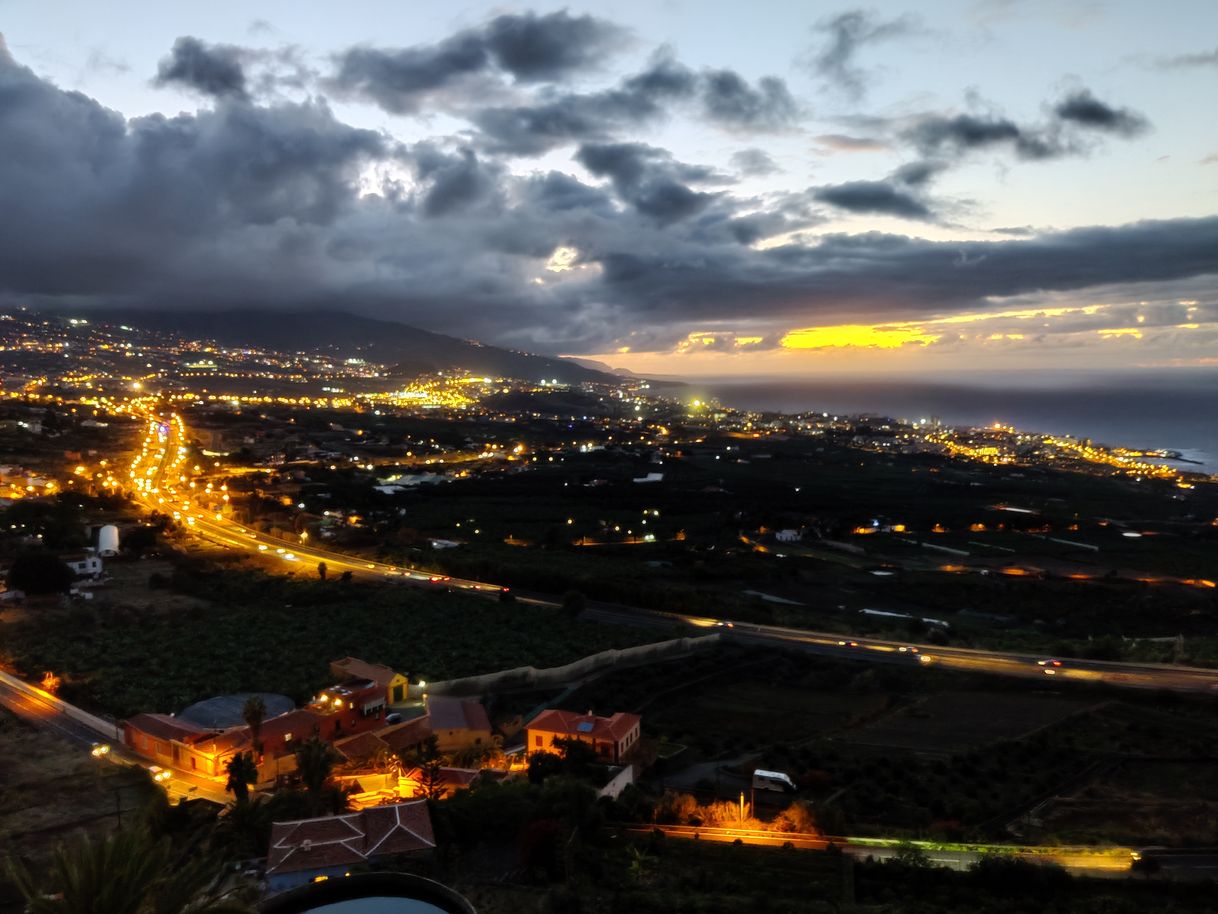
(408, 349)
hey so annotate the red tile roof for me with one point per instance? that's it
(457, 714)
(405, 735)
(361, 747)
(585, 726)
(314, 844)
(354, 668)
(165, 726)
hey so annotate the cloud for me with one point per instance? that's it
(213, 70)
(283, 205)
(526, 47)
(873, 197)
(454, 182)
(542, 48)
(570, 118)
(754, 162)
(400, 81)
(841, 142)
(1182, 61)
(961, 133)
(731, 102)
(554, 119)
(1084, 109)
(848, 33)
(649, 179)
(902, 193)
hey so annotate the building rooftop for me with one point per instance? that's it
(587, 725)
(166, 726)
(457, 714)
(312, 844)
(354, 668)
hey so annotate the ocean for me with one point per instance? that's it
(1175, 410)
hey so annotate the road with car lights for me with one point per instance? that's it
(100, 737)
(164, 452)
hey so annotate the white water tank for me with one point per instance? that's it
(107, 541)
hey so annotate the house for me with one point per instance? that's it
(305, 850)
(395, 684)
(458, 723)
(613, 738)
(87, 564)
(353, 698)
(165, 739)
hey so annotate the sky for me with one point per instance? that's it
(688, 188)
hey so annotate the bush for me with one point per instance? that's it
(39, 573)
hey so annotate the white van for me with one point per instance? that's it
(778, 781)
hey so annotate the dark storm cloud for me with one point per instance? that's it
(649, 179)
(731, 102)
(214, 70)
(754, 162)
(961, 133)
(847, 33)
(110, 196)
(528, 47)
(454, 182)
(873, 197)
(1086, 110)
(540, 48)
(250, 204)
(553, 119)
(901, 194)
(400, 80)
(874, 276)
(559, 119)
(918, 174)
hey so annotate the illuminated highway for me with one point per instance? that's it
(42, 709)
(163, 457)
(164, 452)
(1093, 861)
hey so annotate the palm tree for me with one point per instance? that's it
(254, 714)
(127, 872)
(242, 772)
(315, 762)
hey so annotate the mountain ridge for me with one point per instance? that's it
(411, 350)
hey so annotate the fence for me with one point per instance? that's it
(531, 676)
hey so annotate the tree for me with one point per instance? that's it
(254, 713)
(321, 570)
(345, 577)
(128, 872)
(39, 573)
(315, 763)
(429, 761)
(242, 772)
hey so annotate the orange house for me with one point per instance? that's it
(613, 738)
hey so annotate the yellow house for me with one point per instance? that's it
(395, 684)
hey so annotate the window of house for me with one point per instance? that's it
(287, 737)
(537, 740)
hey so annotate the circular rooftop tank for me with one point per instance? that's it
(225, 711)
